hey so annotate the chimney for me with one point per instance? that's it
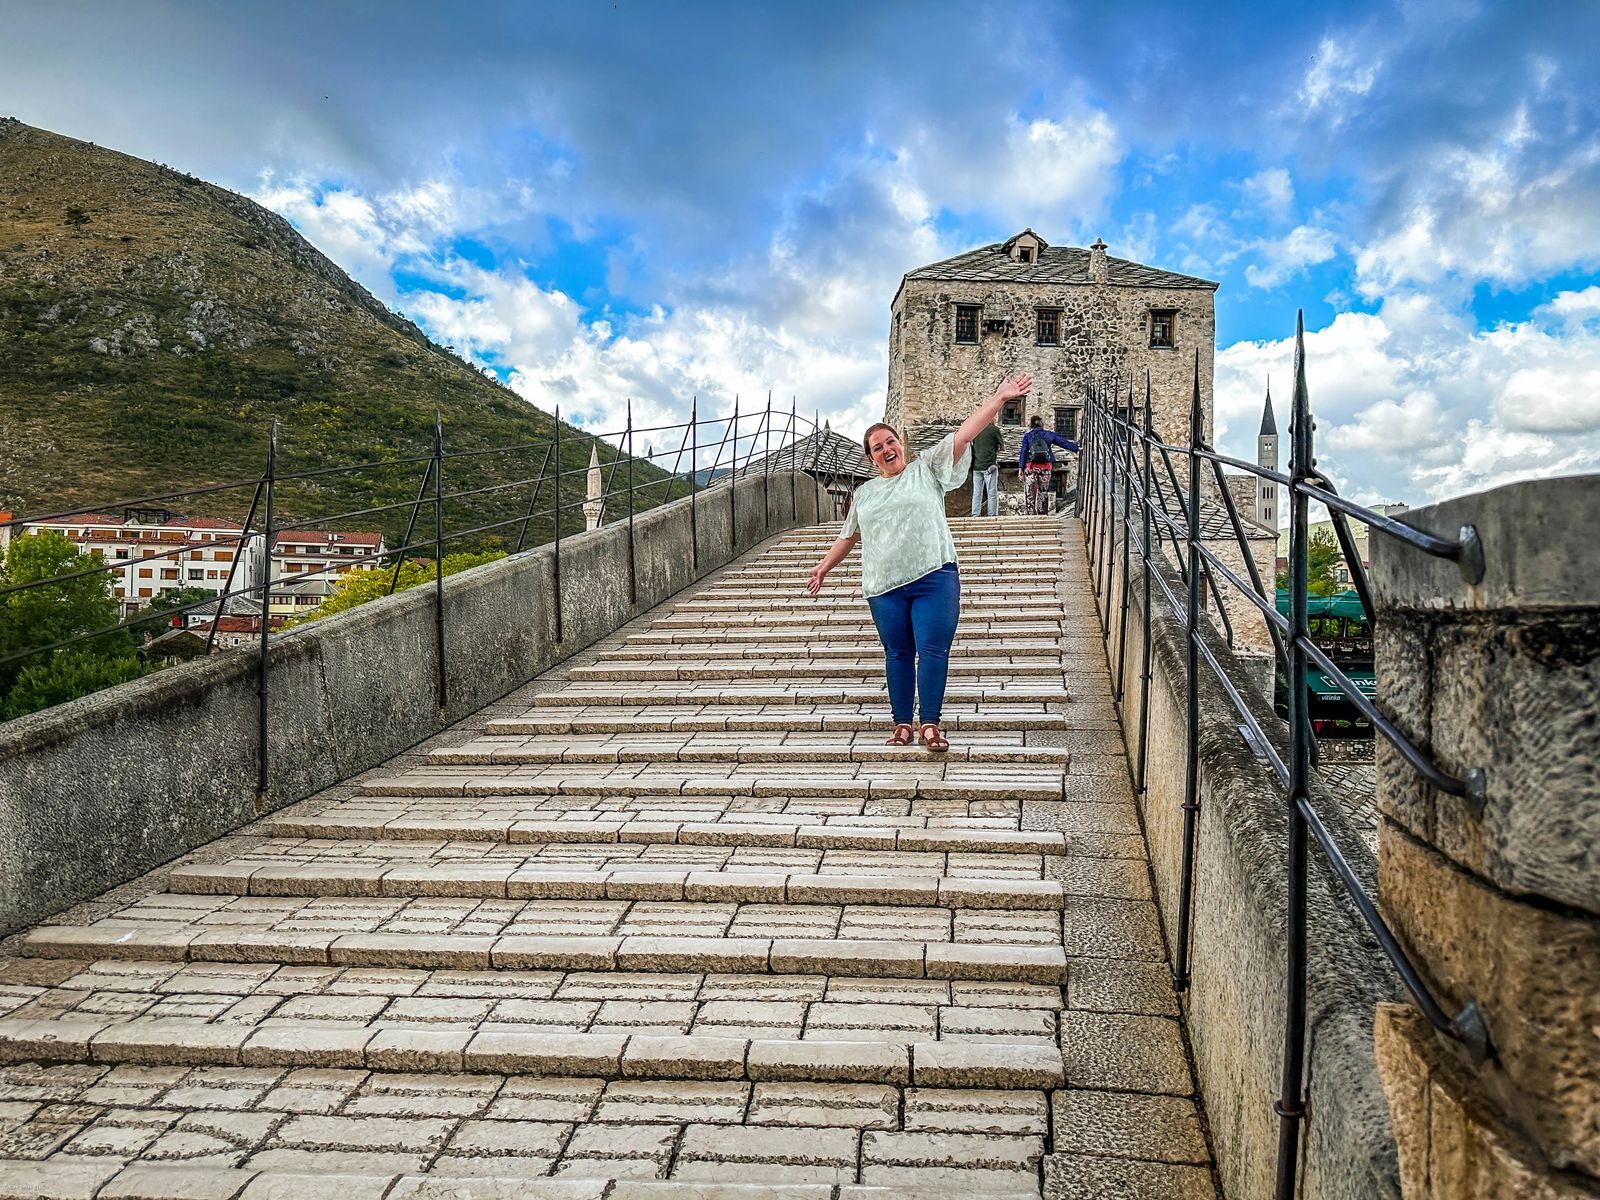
(1098, 271)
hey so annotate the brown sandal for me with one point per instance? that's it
(902, 735)
(937, 742)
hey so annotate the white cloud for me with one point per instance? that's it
(1271, 191)
(1338, 70)
(1411, 403)
(1575, 306)
(1303, 246)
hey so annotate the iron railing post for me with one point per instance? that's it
(694, 472)
(794, 460)
(1108, 538)
(733, 487)
(239, 552)
(263, 791)
(1140, 780)
(555, 570)
(633, 579)
(1125, 465)
(411, 524)
(766, 466)
(438, 553)
(1290, 1106)
(1191, 766)
(522, 535)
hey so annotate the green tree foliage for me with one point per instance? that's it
(76, 218)
(358, 587)
(1321, 554)
(54, 612)
(156, 617)
(65, 675)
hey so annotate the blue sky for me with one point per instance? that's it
(613, 200)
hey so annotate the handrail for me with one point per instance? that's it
(1123, 500)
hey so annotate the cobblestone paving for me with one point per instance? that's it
(670, 921)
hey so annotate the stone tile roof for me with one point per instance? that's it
(832, 453)
(1056, 264)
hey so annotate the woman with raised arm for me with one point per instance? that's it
(908, 562)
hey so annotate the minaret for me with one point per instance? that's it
(594, 505)
(1267, 456)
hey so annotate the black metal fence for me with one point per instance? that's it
(1130, 509)
(739, 445)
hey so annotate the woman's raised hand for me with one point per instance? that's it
(1014, 387)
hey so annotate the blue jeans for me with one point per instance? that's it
(917, 622)
(986, 486)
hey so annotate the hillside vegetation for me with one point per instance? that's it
(152, 324)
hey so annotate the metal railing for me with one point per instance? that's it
(745, 443)
(1126, 503)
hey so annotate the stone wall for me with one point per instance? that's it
(1234, 1005)
(1105, 334)
(98, 791)
(1497, 897)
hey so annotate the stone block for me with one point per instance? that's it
(1083, 1177)
(845, 956)
(170, 1042)
(1124, 1053)
(517, 952)
(508, 1053)
(828, 1062)
(162, 1181)
(1454, 1142)
(1119, 1125)
(987, 1064)
(1535, 974)
(975, 960)
(425, 1050)
(696, 1057)
(648, 953)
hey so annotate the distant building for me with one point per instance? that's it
(1267, 456)
(1075, 319)
(152, 551)
(838, 463)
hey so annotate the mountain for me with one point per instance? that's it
(152, 325)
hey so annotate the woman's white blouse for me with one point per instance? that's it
(901, 519)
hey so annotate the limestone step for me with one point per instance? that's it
(670, 647)
(1041, 960)
(728, 748)
(501, 1173)
(781, 669)
(938, 779)
(1011, 688)
(837, 602)
(510, 880)
(578, 719)
(516, 830)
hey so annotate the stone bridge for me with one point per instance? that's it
(670, 920)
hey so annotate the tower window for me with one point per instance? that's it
(1024, 254)
(967, 322)
(1163, 328)
(1067, 422)
(1049, 326)
(1011, 412)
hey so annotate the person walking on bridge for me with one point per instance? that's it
(908, 561)
(1036, 464)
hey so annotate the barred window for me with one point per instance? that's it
(1049, 326)
(1011, 412)
(1067, 423)
(1163, 328)
(967, 322)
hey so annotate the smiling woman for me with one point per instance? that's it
(908, 561)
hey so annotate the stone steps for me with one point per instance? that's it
(646, 747)
(607, 718)
(1012, 690)
(801, 668)
(24, 1180)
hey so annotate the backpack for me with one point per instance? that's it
(1038, 453)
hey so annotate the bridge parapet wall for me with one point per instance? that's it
(101, 790)
(1497, 898)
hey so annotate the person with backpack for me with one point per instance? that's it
(1036, 463)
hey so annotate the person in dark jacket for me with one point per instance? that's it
(986, 471)
(1036, 462)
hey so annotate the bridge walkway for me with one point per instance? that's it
(672, 913)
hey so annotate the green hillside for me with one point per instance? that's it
(152, 325)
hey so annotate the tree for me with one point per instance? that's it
(1321, 555)
(358, 587)
(65, 675)
(53, 612)
(156, 618)
(76, 219)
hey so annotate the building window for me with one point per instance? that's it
(1049, 326)
(967, 322)
(1011, 412)
(1163, 328)
(1067, 422)
(197, 573)
(1024, 254)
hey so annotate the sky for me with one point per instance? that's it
(605, 201)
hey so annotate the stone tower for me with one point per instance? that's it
(1267, 456)
(594, 503)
